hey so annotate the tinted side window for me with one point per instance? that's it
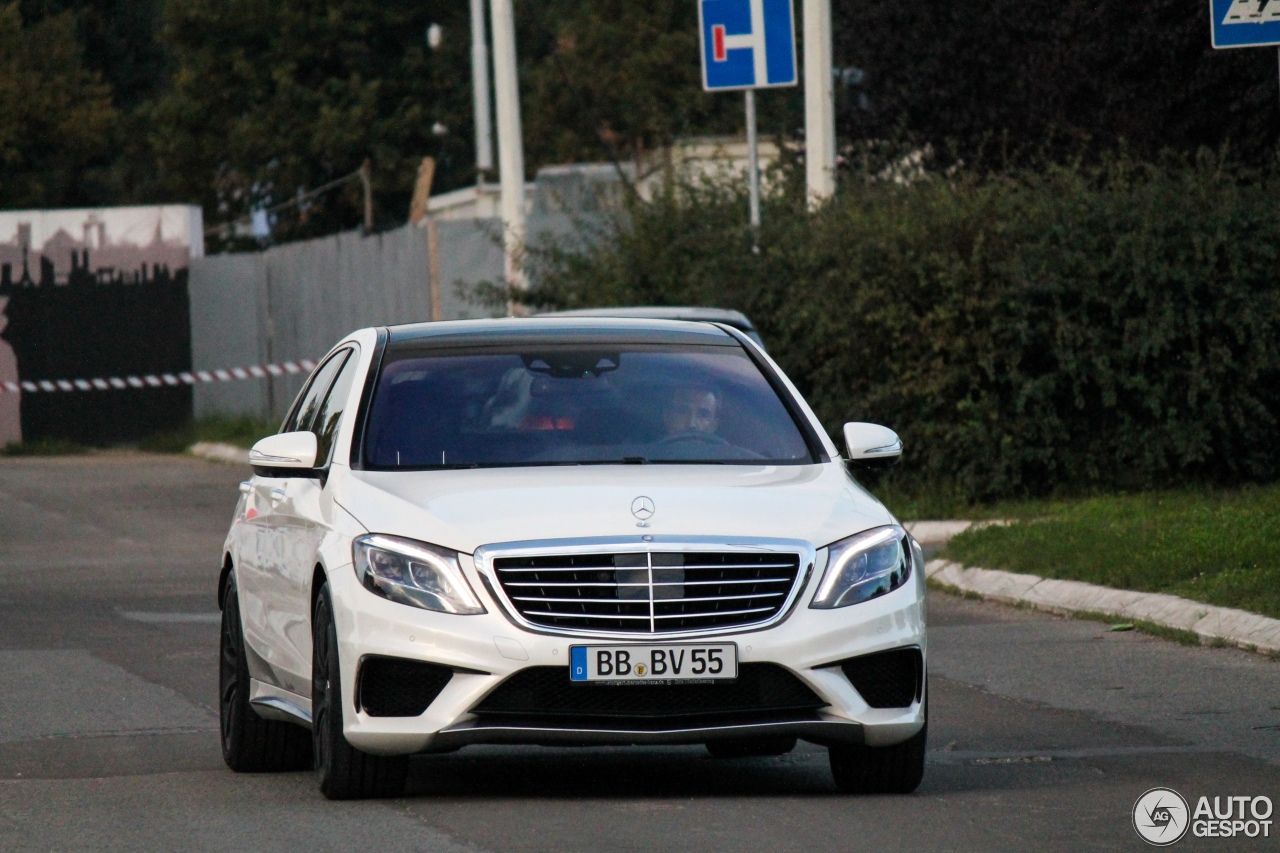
(330, 415)
(304, 414)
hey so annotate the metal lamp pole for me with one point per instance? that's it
(480, 92)
(510, 142)
(819, 103)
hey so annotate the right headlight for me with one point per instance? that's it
(414, 573)
(866, 566)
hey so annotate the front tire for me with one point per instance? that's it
(250, 744)
(896, 769)
(345, 773)
(882, 770)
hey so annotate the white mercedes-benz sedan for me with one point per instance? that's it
(565, 531)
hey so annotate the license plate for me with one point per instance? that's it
(663, 664)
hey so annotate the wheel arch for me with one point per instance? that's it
(227, 566)
(319, 577)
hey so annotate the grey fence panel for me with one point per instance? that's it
(470, 253)
(408, 300)
(226, 324)
(296, 301)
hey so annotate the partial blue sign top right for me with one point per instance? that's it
(748, 44)
(1245, 23)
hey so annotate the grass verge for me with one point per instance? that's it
(915, 504)
(1217, 546)
(242, 432)
(44, 447)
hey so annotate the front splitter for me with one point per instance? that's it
(821, 729)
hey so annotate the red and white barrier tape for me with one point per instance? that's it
(160, 380)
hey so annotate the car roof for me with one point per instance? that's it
(666, 312)
(523, 331)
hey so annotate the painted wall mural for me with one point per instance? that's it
(95, 293)
(10, 404)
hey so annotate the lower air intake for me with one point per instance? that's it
(892, 679)
(545, 694)
(395, 687)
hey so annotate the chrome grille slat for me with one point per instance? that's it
(656, 583)
(743, 566)
(561, 583)
(585, 615)
(560, 569)
(605, 568)
(670, 590)
(638, 601)
(722, 613)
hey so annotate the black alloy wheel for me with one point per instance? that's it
(344, 772)
(250, 744)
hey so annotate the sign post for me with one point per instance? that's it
(753, 160)
(1245, 23)
(748, 45)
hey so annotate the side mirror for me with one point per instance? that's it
(289, 454)
(871, 445)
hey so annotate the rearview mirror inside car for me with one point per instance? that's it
(289, 454)
(871, 445)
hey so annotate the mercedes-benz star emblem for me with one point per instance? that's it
(643, 509)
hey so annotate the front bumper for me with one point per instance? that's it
(486, 649)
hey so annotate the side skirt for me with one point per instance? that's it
(276, 703)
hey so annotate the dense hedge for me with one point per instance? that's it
(1067, 329)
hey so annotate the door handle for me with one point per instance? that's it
(277, 495)
(246, 487)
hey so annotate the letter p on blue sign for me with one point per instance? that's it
(747, 44)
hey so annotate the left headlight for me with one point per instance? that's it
(414, 573)
(866, 566)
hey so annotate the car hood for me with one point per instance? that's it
(465, 509)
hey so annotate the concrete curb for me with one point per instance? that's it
(1210, 623)
(217, 451)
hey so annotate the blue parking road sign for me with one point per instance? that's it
(748, 44)
(1245, 23)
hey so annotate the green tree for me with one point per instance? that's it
(1063, 74)
(56, 116)
(620, 79)
(118, 39)
(266, 100)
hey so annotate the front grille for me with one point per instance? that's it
(544, 694)
(395, 687)
(648, 592)
(890, 679)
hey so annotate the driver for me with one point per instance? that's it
(691, 410)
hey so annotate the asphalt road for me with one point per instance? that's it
(1044, 731)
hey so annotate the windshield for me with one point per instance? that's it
(572, 404)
